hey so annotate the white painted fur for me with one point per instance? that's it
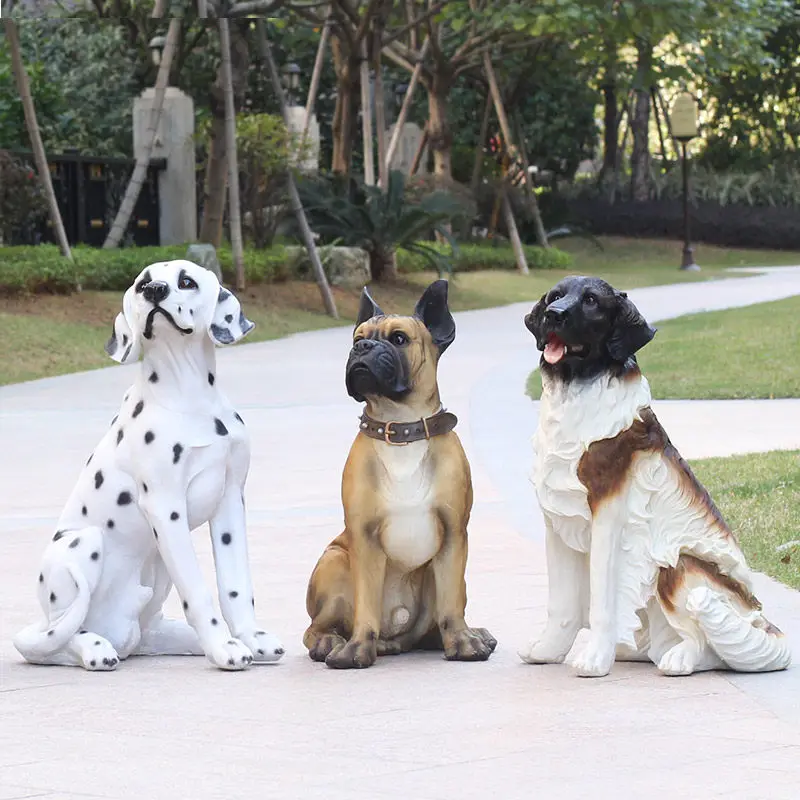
(166, 466)
(646, 526)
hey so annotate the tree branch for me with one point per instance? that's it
(406, 28)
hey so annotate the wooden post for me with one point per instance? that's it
(202, 9)
(508, 213)
(366, 118)
(314, 86)
(423, 143)
(294, 198)
(24, 89)
(404, 109)
(143, 161)
(541, 235)
(379, 100)
(234, 214)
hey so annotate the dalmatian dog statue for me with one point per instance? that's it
(176, 456)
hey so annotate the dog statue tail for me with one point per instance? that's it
(746, 643)
(70, 573)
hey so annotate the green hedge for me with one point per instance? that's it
(473, 257)
(41, 268)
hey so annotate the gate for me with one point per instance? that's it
(89, 191)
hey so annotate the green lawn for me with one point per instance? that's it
(746, 352)
(57, 334)
(759, 496)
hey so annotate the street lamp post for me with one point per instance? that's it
(684, 128)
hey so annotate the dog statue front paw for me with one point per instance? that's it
(353, 655)
(552, 648)
(232, 655)
(594, 658)
(470, 644)
(96, 653)
(264, 647)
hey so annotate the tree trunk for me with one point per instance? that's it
(440, 136)
(24, 89)
(237, 246)
(134, 187)
(366, 119)
(640, 125)
(345, 113)
(216, 181)
(611, 116)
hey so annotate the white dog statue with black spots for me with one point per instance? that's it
(176, 456)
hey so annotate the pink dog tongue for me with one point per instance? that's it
(554, 349)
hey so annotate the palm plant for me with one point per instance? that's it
(381, 221)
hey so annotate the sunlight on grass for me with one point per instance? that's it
(759, 496)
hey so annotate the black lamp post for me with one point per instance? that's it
(684, 128)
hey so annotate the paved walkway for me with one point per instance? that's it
(414, 726)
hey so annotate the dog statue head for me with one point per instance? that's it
(395, 357)
(584, 326)
(173, 299)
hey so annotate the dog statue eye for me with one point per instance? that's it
(590, 300)
(398, 339)
(554, 296)
(186, 282)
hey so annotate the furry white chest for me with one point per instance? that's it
(571, 417)
(410, 536)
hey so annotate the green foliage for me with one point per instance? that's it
(82, 83)
(474, 257)
(381, 222)
(22, 201)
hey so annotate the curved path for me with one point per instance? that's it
(413, 726)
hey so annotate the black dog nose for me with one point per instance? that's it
(155, 291)
(556, 314)
(363, 346)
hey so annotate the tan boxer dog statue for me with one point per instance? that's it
(393, 581)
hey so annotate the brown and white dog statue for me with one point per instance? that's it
(635, 546)
(394, 580)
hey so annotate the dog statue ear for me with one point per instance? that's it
(228, 323)
(125, 344)
(368, 308)
(534, 320)
(434, 314)
(631, 331)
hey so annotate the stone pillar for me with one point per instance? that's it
(407, 145)
(177, 189)
(297, 119)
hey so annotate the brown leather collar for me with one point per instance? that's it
(400, 433)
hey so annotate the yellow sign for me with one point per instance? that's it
(684, 117)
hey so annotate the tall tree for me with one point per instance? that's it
(12, 37)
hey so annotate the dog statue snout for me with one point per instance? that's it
(558, 311)
(155, 291)
(363, 346)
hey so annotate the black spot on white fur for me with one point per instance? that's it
(148, 437)
(222, 335)
(226, 538)
(229, 318)
(174, 515)
(211, 378)
(84, 510)
(177, 449)
(124, 499)
(119, 435)
(233, 595)
(220, 427)
(75, 542)
(185, 606)
(98, 479)
(153, 377)
(95, 556)
(214, 621)
(223, 295)
(52, 597)
(110, 523)
(58, 535)
(235, 414)
(137, 409)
